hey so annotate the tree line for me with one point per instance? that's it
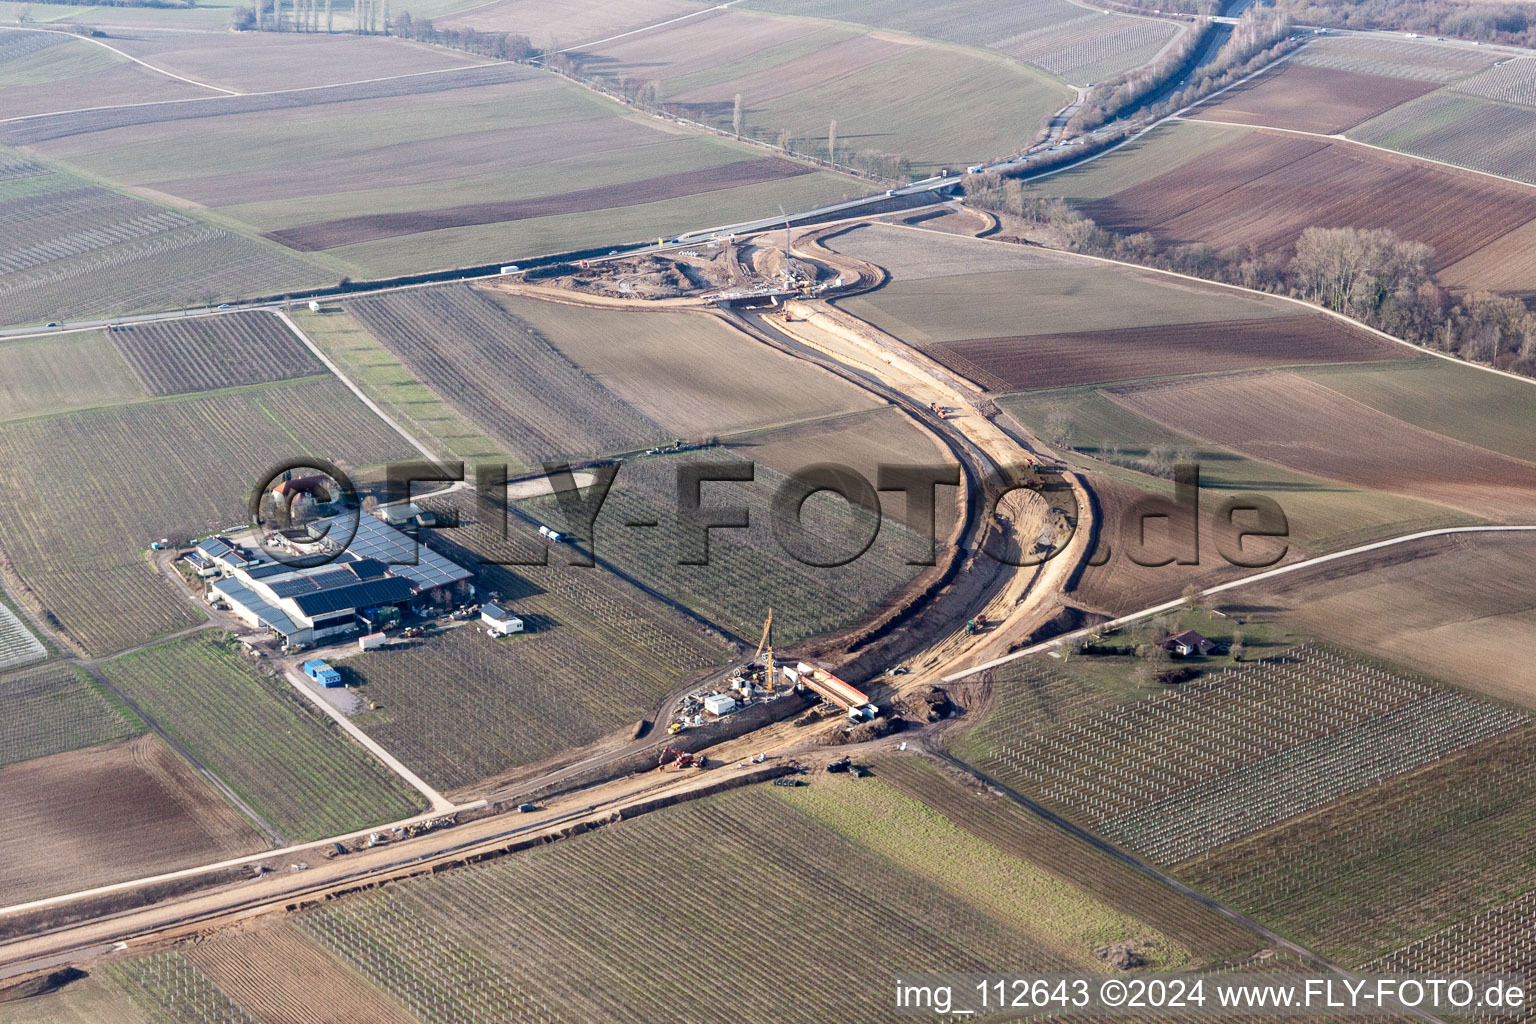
(1512, 23)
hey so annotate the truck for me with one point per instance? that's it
(551, 534)
(975, 168)
(372, 641)
(511, 268)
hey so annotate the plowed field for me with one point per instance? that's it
(1312, 99)
(1132, 353)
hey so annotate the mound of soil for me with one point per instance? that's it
(931, 704)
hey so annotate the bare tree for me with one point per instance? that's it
(832, 142)
(736, 116)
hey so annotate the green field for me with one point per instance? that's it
(84, 493)
(406, 400)
(1448, 398)
(582, 905)
(55, 708)
(43, 376)
(293, 765)
(1167, 147)
(1048, 300)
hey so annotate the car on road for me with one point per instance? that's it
(53, 323)
(223, 305)
(613, 252)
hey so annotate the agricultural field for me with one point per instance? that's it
(294, 766)
(1129, 457)
(44, 72)
(1380, 55)
(1372, 880)
(1185, 776)
(1077, 46)
(1055, 298)
(561, 24)
(1294, 423)
(107, 814)
(1300, 97)
(53, 709)
(43, 376)
(584, 904)
(72, 250)
(207, 353)
(1511, 81)
(690, 373)
(452, 169)
(18, 645)
(795, 76)
(383, 378)
(1265, 189)
(747, 566)
(921, 255)
(1132, 353)
(1458, 607)
(88, 568)
(1453, 127)
(598, 657)
(503, 375)
(1167, 148)
(271, 61)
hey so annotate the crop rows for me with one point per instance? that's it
(17, 644)
(1498, 940)
(1513, 81)
(554, 920)
(177, 356)
(12, 166)
(179, 268)
(749, 570)
(502, 375)
(1175, 775)
(1308, 776)
(171, 989)
(38, 220)
(1421, 61)
(52, 709)
(1389, 864)
(75, 243)
(20, 44)
(1473, 133)
(131, 474)
(293, 765)
(1084, 50)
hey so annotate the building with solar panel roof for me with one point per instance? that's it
(366, 586)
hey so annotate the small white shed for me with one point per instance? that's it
(719, 703)
(500, 621)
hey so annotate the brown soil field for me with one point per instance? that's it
(91, 817)
(1265, 189)
(1461, 608)
(1506, 266)
(370, 227)
(1304, 426)
(1312, 99)
(700, 45)
(556, 24)
(278, 973)
(820, 69)
(1133, 353)
(267, 61)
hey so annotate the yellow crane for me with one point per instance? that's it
(766, 644)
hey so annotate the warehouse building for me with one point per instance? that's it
(367, 586)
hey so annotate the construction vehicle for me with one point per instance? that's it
(971, 627)
(675, 728)
(680, 758)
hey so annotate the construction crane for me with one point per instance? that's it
(766, 644)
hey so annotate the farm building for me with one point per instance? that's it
(1189, 643)
(381, 572)
(499, 620)
(407, 513)
(322, 673)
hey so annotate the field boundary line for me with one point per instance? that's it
(1342, 317)
(1268, 574)
(129, 56)
(1341, 137)
(373, 406)
(250, 858)
(621, 35)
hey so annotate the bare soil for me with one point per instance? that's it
(1312, 99)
